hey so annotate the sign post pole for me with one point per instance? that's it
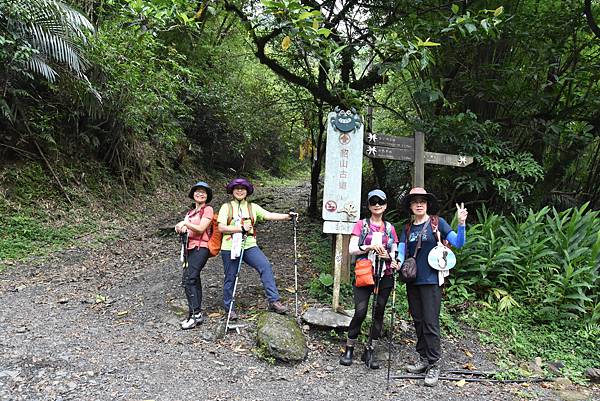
(337, 271)
(419, 164)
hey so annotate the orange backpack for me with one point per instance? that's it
(216, 236)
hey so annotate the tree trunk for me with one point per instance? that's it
(317, 163)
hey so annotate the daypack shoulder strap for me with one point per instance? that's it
(407, 233)
(230, 213)
(192, 212)
(364, 232)
(388, 232)
(251, 218)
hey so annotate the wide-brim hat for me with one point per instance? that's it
(240, 182)
(205, 186)
(433, 205)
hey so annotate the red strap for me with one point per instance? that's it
(193, 212)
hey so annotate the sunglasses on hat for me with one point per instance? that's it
(375, 200)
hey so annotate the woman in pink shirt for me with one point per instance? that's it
(372, 238)
(196, 224)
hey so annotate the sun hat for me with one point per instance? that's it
(205, 186)
(378, 193)
(432, 202)
(240, 181)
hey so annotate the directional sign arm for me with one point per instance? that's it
(448, 160)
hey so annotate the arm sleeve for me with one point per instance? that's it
(353, 245)
(402, 246)
(458, 239)
(401, 252)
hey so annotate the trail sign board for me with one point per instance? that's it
(408, 155)
(342, 189)
(402, 142)
(343, 167)
(338, 227)
(448, 160)
(382, 152)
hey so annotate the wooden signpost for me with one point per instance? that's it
(410, 149)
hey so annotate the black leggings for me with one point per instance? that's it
(361, 305)
(190, 280)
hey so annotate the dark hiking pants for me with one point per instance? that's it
(190, 280)
(424, 303)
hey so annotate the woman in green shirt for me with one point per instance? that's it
(237, 220)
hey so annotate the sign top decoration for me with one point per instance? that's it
(345, 121)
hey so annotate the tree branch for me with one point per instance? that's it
(587, 10)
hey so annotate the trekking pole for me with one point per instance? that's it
(378, 263)
(295, 219)
(237, 275)
(391, 336)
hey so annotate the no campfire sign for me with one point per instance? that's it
(343, 172)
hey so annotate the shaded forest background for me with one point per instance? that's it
(120, 98)
(140, 88)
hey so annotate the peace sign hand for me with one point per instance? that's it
(462, 213)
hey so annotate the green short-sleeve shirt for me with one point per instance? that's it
(239, 209)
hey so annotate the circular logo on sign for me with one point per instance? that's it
(330, 206)
(345, 139)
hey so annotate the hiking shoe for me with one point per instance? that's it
(432, 376)
(278, 307)
(419, 367)
(192, 321)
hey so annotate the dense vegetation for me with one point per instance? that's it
(109, 99)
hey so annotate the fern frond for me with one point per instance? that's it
(39, 66)
(56, 30)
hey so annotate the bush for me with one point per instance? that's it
(549, 259)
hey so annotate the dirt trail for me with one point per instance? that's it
(98, 324)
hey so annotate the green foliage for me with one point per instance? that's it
(262, 352)
(518, 335)
(321, 286)
(499, 169)
(550, 259)
(37, 36)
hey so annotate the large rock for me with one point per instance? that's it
(326, 317)
(593, 374)
(281, 337)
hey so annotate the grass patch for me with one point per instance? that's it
(294, 177)
(519, 336)
(37, 220)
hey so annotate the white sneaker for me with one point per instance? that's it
(192, 321)
(432, 376)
